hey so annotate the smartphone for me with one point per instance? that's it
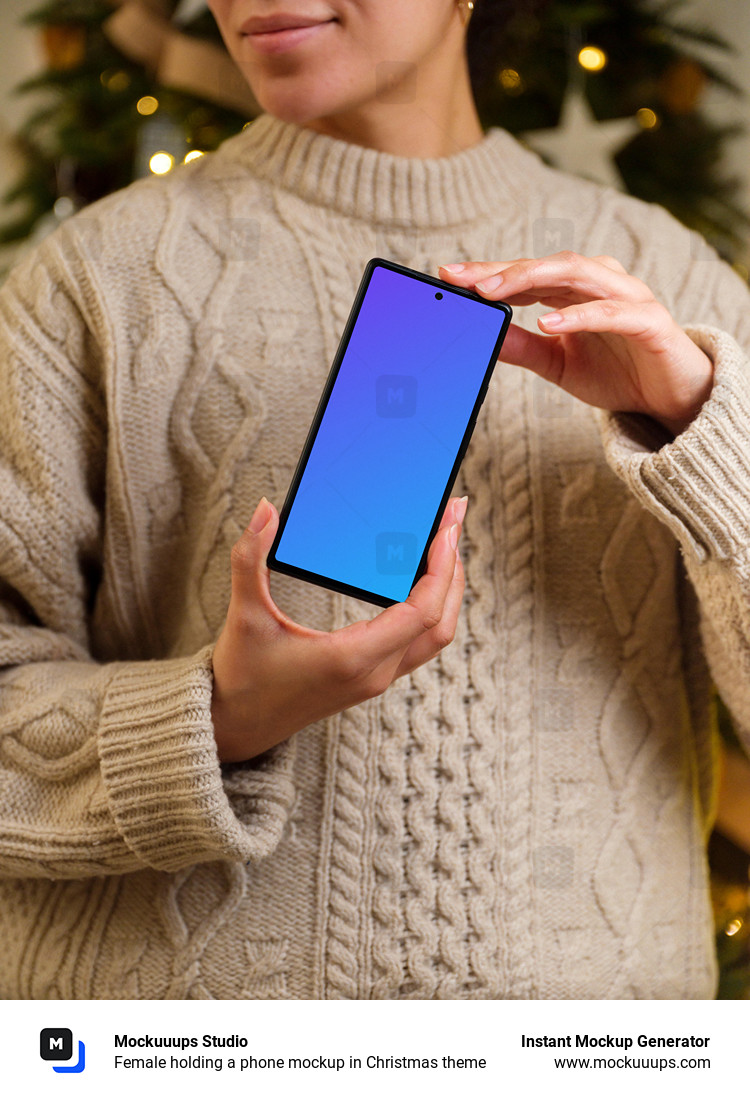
(386, 442)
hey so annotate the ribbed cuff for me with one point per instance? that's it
(163, 777)
(698, 483)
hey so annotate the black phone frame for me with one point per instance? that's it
(329, 582)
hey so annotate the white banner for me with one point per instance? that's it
(127, 1049)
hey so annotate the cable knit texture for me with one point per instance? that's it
(525, 816)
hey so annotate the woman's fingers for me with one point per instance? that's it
(586, 277)
(454, 512)
(647, 321)
(367, 654)
(610, 261)
(530, 280)
(539, 354)
(251, 604)
(430, 644)
(249, 571)
(475, 269)
(391, 632)
(272, 676)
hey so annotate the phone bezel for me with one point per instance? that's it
(446, 288)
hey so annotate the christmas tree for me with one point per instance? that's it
(123, 86)
(127, 81)
(629, 60)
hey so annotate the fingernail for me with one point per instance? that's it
(461, 509)
(552, 319)
(453, 535)
(453, 268)
(260, 517)
(490, 284)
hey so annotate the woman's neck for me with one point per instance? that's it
(421, 117)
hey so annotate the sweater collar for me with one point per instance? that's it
(381, 187)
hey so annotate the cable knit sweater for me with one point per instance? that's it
(524, 816)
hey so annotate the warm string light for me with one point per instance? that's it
(115, 80)
(511, 81)
(64, 207)
(194, 154)
(592, 58)
(147, 105)
(648, 119)
(161, 163)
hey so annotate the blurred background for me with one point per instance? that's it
(649, 97)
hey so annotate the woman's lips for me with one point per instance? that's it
(280, 41)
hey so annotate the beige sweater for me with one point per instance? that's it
(523, 817)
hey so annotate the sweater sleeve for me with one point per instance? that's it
(105, 767)
(698, 484)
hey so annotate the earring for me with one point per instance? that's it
(466, 7)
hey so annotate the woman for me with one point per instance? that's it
(502, 797)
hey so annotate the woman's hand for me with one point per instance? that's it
(609, 343)
(273, 677)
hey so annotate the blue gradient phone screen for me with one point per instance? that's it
(390, 434)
